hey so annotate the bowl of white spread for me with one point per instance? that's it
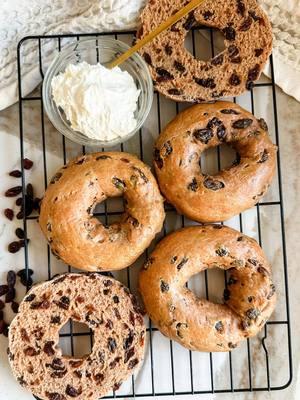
(92, 104)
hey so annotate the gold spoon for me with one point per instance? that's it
(162, 27)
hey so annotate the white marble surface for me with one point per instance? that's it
(289, 124)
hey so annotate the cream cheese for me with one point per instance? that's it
(98, 102)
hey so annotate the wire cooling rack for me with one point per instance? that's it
(260, 364)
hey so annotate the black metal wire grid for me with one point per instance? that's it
(105, 215)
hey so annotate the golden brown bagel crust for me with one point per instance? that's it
(215, 198)
(178, 75)
(77, 237)
(199, 324)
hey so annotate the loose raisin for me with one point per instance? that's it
(2, 305)
(15, 307)
(242, 123)
(14, 191)
(9, 213)
(11, 278)
(10, 295)
(20, 233)
(16, 173)
(2, 326)
(3, 289)
(213, 184)
(29, 191)
(27, 164)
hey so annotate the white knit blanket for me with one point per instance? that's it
(19, 18)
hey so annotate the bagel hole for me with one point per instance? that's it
(215, 279)
(216, 158)
(199, 43)
(81, 337)
(114, 205)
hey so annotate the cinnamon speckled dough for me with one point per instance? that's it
(106, 307)
(196, 323)
(178, 75)
(80, 239)
(214, 198)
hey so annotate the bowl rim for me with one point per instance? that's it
(68, 132)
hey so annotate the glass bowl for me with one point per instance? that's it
(102, 50)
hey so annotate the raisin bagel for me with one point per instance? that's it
(178, 75)
(196, 323)
(215, 198)
(109, 310)
(66, 215)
